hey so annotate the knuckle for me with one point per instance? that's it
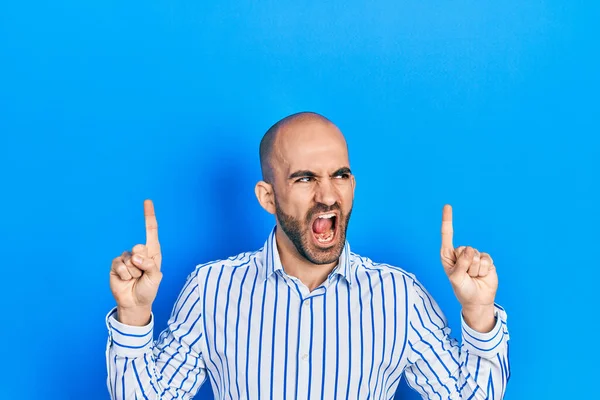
(138, 248)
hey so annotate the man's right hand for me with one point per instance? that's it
(135, 275)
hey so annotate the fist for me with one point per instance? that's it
(135, 275)
(471, 273)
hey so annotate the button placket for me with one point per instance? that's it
(304, 349)
(305, 329)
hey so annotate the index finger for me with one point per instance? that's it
(151, 223)
(447, 230)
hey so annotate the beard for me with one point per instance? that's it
(299, 233)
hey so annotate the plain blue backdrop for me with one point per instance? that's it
(491, 106)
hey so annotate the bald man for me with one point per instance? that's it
(304, 317)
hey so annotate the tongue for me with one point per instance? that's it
(322, 225)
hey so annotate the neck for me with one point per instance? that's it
(294, 264)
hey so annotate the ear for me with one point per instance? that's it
(264, 194)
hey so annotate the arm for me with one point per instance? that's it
(171, 367)
(440, 368)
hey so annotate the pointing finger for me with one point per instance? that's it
(447, 230)
(151, 226)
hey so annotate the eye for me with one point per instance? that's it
(305, 179)
(345, 175)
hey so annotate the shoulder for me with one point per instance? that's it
(245, 260)
(366, 266)
(366, 270)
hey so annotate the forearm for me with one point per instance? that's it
(480, 318)
(139, 316)
(440, 366)
(129, 360)
(172, 366)
(130, 378)
(484, 370)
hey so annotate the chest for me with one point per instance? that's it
(272, 336)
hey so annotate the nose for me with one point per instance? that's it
(325, 193)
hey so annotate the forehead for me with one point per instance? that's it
(310, 145)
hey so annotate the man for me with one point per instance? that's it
(303, 317)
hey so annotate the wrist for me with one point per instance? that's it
(480, 318)
(137, 316)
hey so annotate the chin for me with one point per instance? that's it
(320, 253)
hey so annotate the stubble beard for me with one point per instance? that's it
(299, 233)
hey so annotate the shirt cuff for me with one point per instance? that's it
(485, 345)
(127, 340)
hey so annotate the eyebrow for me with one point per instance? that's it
(342, 171)
(310, 174)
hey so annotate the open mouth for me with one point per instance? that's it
(324, 228)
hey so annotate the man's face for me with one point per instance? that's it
(313, 189)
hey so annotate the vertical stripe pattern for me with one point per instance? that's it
(255, 332)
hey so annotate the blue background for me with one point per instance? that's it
(489, 106)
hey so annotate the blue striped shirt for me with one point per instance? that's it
(256, 332)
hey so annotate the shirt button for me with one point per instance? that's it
(305, 356)
(306, 304)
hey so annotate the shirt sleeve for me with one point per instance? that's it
(441, 368)
(171, 367)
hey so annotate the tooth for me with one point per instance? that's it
(327, 216)
(326, 239)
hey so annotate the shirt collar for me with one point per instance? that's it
(272, 262)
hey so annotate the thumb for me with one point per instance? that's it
(464, 258)
(448, 253)
(146, 264)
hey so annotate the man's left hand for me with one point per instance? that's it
(472, 275)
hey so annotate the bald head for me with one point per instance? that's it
(271, 141)
(307, 176)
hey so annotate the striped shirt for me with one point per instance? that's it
(257, 332)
